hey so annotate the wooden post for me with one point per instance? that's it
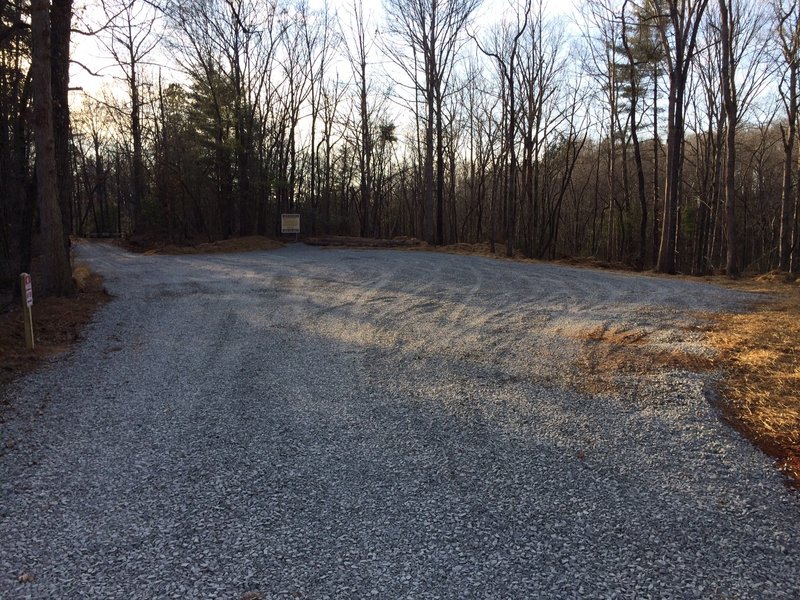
(26, 291)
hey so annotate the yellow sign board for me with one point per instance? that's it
(290, 223)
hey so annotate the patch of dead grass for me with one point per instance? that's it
(480, 249)
(760, 352)
(485, 249)
(86, 280)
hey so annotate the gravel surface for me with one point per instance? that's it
(353, 424)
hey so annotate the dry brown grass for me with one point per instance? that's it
(86, 280)
(57, 323)
(760, 352)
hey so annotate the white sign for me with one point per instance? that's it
(28, 290)
(290, 223)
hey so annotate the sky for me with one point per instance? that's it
(87, 51)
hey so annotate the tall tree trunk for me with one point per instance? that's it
(666, 250)
(787, 198)
(56, 276)
(684, 18)
(729, 100)
(427, 176)
(656, 168)
(439, 166)
(794, 263)
(637, 150)
(511, 194)
(60, 27)
(365, 156)
(137, 166)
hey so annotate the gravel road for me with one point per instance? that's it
(311, 423)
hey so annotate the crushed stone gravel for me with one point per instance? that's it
(353, 424)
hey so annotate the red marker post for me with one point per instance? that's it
(26, 288)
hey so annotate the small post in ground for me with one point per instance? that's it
(26, 289)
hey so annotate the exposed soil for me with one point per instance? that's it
(57, 325)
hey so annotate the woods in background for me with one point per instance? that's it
(659, 133)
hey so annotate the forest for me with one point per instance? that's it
(658, 134)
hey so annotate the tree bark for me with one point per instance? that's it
(666, 250)
(637, 151)
(729, 101)
(60, 24)
(790, 43)
(684, 18)
(56, 276)
(427, 177)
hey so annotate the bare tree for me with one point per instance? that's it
(787, 18)
(228, 49)
(546, 103)
(60, 28)
(708, 131)
(743, 48)
(727, 70)
(358, 48)
(504, 51)
(320, 42)
(604, 32)
(677, 26)
(432, 30)
(131, 38)
(634, 95)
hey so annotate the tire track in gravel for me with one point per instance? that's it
(347, 424)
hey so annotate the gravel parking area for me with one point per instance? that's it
(309, 423)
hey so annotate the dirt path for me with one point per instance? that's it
(340, 423)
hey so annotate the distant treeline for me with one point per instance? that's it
(661, 134)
